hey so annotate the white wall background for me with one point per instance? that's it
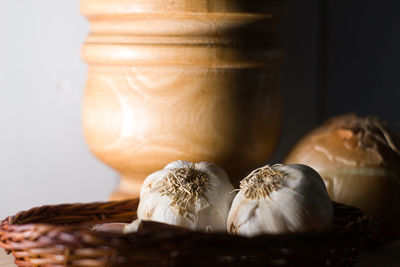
(43, 156)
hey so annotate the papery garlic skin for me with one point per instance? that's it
(206, 208)
(359, 160)
(133, 227)
(289, 199)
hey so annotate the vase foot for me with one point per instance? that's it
(128, 188)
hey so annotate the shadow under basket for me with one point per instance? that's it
(69, 235)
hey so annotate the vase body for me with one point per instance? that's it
(192, 80)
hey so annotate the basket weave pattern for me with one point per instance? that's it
(61, 235)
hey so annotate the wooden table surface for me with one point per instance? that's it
(382, 257)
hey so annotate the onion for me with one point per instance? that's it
(359, 160)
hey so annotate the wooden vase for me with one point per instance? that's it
(192, 80)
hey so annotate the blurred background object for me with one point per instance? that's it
(193, 81)
(342, 57)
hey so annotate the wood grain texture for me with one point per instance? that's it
(190, 80)
(112, 7)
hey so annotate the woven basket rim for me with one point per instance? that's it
(42, 234)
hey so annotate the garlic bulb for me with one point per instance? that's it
(192, 195)
(280, 199)
(359, 160)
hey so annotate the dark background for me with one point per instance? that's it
(342, 56)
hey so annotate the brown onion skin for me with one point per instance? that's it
(359, 165)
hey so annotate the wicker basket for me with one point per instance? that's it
(64, 235)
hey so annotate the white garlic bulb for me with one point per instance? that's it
(192, 195)
(280, 199)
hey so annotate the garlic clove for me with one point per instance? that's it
(152, 182)
(133, 227)
(177, 164)
(280, 199)
(193, 195)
